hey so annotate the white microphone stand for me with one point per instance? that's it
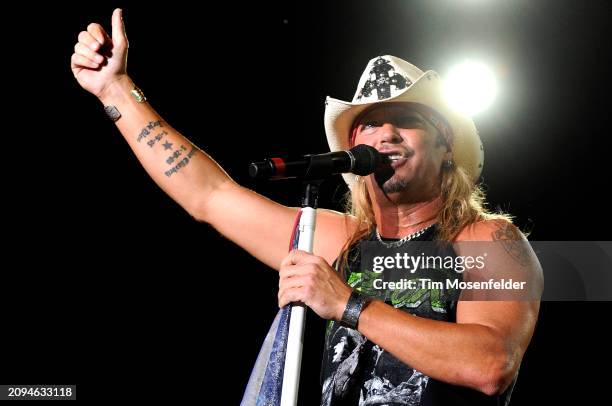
(295, 338)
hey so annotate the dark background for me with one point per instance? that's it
(109, 284)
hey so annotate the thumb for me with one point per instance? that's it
(119, 36)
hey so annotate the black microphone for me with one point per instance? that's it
(360, 160)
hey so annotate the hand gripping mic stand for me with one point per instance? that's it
(363, 161)
(293, 357)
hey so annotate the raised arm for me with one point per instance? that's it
(186, 173)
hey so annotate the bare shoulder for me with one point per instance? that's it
(333, 230)
(338, 219)
(505, 239)
(491, 230)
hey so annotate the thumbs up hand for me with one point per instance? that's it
(99, 59)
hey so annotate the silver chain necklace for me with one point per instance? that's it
(395, 244)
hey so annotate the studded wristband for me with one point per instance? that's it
(352, 311)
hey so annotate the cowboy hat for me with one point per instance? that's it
(390, 79)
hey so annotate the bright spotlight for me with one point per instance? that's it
(470, 87)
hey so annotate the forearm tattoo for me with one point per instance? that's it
(146, 131)
(179, 157)
(182, 163)
(156, 138)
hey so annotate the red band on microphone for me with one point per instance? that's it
(279, 165)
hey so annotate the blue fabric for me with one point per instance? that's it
(266, 381)
(272, 385)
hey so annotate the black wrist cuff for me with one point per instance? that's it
(112, 113)
(353, 309)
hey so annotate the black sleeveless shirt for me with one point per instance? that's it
(355, 371)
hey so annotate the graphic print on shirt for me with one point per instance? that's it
(357, 371)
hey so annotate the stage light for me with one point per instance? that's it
(470, 87)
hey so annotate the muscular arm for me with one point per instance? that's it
(195, 181)
(182, 170)
(482, 350)
(186, 173)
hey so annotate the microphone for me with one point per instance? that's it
(360, 160)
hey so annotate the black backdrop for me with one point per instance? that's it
(108, 283)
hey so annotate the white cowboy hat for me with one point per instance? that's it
(390, 79)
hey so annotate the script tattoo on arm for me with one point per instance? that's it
(146, 130)
(182, 163)
(157, 138)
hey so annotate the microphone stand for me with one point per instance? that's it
(295, 338)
